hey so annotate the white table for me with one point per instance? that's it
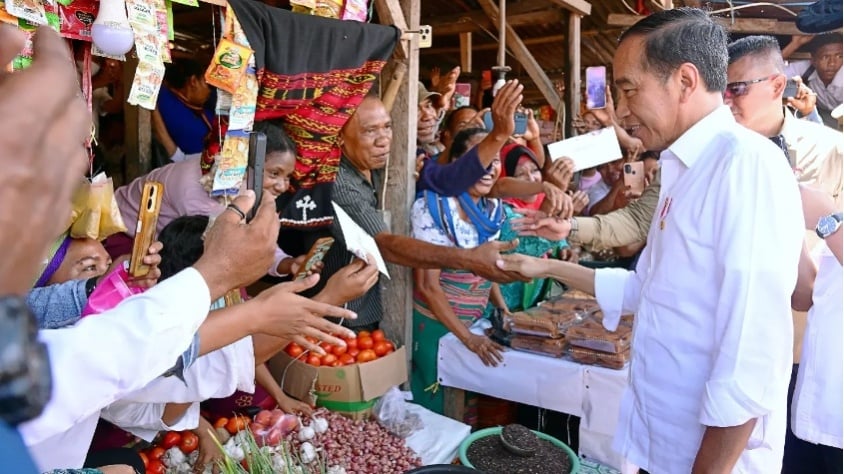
(591, 393)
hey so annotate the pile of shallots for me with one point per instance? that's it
(359, 447)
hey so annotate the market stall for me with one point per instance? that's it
(590, 392)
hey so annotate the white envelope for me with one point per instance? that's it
(357, 240)
(588, 150)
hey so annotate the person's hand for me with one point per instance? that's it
(579, 201)
(571, 254)
(236, 253)
(446, 87)
(291, 405)
(295, 264)
(556, 202)
(152, 258)
(44, 119)
(539, 224)
(559, 173)
(116, 469)
(209, 452)
(816, 204)
(435, 77)
(504, 106)
(478, 120)
(532, 132)
(488, 350)
(800, 40)
(420, 163)
(530, 267)
(484, 258)
(350, 282)
(606, 115)
(805, 99)
(285, 314)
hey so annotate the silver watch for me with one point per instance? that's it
(827, 225)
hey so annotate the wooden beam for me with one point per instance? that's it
(477, 21)
(579, 7)
(494, 46)
(138, 129)
(574, 71)
(523, 55)
(390, 13)
(740, 25)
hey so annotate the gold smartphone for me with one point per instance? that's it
(147, 223)
(634, 176)
(315, 255)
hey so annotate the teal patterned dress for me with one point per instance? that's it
(520, 295)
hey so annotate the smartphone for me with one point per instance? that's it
(596, 87)
(634, 176)
(147, 224)
(790, 89)
(520, 118)
(255, 169)
(315, 255)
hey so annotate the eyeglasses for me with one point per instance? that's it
(738, 89)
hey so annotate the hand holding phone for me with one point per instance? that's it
(634, 177)
(314, 256)
(519, 118)
(255, 169)
(147, 224)
(791, 88)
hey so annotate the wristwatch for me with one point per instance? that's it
(827, 225)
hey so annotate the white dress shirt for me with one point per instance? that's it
(816, 412)
(711, 293)
(829, 97)
(101, 359)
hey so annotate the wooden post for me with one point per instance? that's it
(573, 72)
(401, 185)
(466, 52)
(138, 133)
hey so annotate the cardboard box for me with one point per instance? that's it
(351, 390)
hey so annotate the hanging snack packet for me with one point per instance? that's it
(77, 19)
(29, 10)
(305, 7)
(163, 20)
(4, 15)
(141, 14)
(147, 46)
(228, 67)
(98, 52)
(356, 10)
(147, 83)
(328, 8)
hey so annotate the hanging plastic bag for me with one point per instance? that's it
(391, 412)
(95, 213)
(113, 289)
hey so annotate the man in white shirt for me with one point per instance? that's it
(823, 73)
(711, 291)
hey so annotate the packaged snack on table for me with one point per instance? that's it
(598, 358)
(538, 322)
(592, 335)
(539, 345)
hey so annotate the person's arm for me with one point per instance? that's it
(817, 204)
(625, 226)
(153, 327)
(797, 42)
(801, 298)
(610, 201)
(752, 321)
(508, 186)
(496, 297)
(60, 305)
(159, 129)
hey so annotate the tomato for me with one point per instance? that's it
(221, 423)
(338, 350)
(328, 359)
(190, 442)
(365, 343)
(366, 356)
(314, 360)
(381, 349)
(263, 417)
(236, 424)
(171, 438)
(156, 453)
(156, 467)
(326, 346)
(347, 359)
(353, 352)
(378, 335)
(351, 343)
(364, 334)
(390, 347)
(294, 350)
(144, 458)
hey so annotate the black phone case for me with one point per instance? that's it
(255, 171)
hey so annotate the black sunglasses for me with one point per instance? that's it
(738, 89)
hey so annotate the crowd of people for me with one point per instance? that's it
(730, 257)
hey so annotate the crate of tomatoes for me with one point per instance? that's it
(348, 380)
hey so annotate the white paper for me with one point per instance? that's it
(357, 240)
(588, 150)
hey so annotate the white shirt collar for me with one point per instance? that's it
(688, 147)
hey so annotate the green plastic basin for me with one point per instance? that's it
(464, 446)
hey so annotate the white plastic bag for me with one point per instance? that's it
(392, 413)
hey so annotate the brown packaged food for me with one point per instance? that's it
(539, 345)
(592, 335)
(540, 322)
(601, 359)
(577, 294)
